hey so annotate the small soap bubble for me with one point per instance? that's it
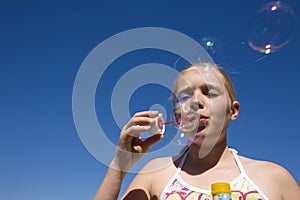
(210, 44)
(272, 27)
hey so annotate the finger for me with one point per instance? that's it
(141, 121)
(149, 142)
(149, 113)
(136, 130)
(137, 145)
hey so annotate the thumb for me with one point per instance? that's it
(149, 142)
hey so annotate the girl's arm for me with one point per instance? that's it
(129, 150)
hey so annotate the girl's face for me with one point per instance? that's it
(204, 88)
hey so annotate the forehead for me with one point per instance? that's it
(198, 76)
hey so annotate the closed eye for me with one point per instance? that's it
(212, 94)
(184, 98)
(210, 91)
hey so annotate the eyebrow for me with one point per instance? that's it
(185, 89)
(209, 86)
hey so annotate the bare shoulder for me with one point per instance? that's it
(272, 178)
(157, 164)
(159, 169)
(259, 167)
(153, 169)
(152, 179)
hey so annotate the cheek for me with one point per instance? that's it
(219, 117)
(220, 107)
(220, 111)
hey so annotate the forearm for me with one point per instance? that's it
(111, 185)
(130, 149)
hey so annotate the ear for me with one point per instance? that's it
(235, 108)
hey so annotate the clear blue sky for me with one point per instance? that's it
(43, 44)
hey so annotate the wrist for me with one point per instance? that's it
(118, 168)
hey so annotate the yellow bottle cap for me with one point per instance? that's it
(220, 187)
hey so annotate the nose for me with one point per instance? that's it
(197, 101)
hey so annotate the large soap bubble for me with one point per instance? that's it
(272, 27)
(183, 117)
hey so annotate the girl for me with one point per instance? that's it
(207, 158)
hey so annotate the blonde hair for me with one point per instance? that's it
(226, 79)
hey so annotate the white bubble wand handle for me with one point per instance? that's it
(159, 126)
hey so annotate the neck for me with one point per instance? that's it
(217, 155)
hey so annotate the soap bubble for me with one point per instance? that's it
(272, 27)
(186, 116)
(210, 44)
(183, 118)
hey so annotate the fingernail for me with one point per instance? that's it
(153, 113)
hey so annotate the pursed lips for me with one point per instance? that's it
(203, 120)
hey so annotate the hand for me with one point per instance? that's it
(130, 146)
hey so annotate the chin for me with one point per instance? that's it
(198, 139)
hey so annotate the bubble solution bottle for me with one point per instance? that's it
(221, 191)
